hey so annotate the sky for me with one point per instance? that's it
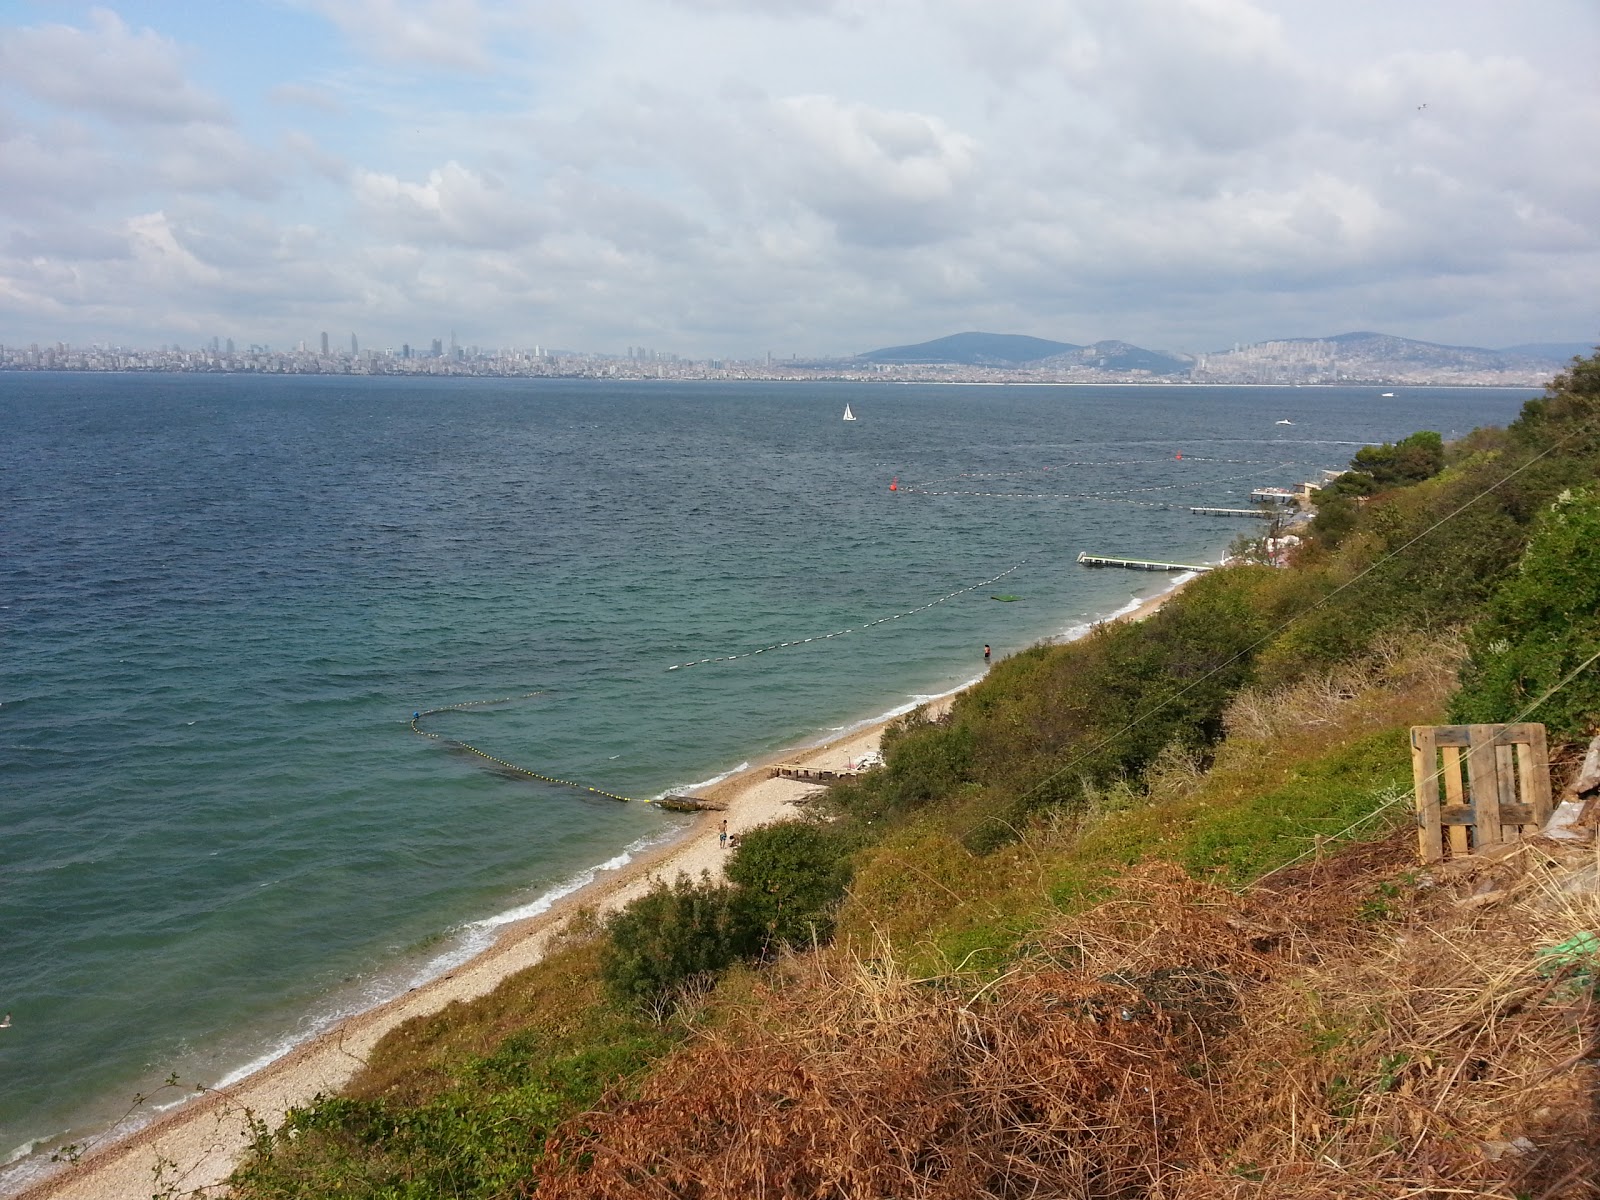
(810, 177)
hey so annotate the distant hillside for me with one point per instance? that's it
(1366, 357)
(1556, 351)
(1356, 357)
(973, 350)
(1121, 357)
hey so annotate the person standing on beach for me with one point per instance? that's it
(722, 835)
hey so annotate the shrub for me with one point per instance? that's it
(788, 878)
(1543, 621)
(670, 938)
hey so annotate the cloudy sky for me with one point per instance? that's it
(728, 177)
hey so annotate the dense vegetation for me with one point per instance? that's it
(967, 891)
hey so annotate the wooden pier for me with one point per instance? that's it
(1259, 514)
(1138, 564)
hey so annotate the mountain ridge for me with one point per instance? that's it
(1355, 356)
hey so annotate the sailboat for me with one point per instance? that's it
(848, 415)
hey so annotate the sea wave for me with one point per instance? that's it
(680, 788)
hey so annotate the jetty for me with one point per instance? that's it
(1138, 564)
(1259, 514)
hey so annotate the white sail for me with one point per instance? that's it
(848, 415)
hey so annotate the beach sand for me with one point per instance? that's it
(197, 1145)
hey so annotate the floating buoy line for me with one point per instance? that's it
(416, 727)
(941, 486)
(669, 800)
(837, 633)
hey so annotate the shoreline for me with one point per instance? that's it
(196, 1143)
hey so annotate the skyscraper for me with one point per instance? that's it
(355, 347)
(324, 343)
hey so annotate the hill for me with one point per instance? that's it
(1355, 357)
(1122, 357)
(1558, 351)
(1376, 358)
(973, 350)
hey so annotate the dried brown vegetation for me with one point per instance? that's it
(1349, 1032)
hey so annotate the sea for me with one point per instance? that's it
(223, 598)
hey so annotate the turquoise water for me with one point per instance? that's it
(222, 598)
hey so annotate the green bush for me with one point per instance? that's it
(1374, 468)
(671, 937)
(788, 878)
(1543, 622)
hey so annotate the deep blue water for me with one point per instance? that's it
(222, 598)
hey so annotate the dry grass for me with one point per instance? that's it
(1437, 1061)
(1177, 1041)
(1396, 663)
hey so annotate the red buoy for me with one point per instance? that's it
(894, 484)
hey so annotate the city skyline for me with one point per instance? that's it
(812, 176)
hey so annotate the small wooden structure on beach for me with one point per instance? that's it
(809, 774)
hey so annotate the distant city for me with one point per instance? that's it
(1351, 358)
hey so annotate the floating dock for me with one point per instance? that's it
(1138, 564)
(1259, 514)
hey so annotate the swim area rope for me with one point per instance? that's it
(418, 717)
(963, 486)
(934, 487)
(822, 637)
(416, 727)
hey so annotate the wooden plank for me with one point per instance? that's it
(1455, 797)
(1534, 762)
(1425, 786)
(1483, 782)
(1452, 817)
(1505, 773)
(1452, 735)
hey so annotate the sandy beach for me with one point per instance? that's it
(196, 1145)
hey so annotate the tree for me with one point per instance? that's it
(1374, 468)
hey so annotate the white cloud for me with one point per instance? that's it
(453, 204)
(883, 177)
(443, 33)
(719, 178)
(114, 72)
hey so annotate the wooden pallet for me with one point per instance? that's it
(1502, 795)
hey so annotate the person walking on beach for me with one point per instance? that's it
(722, 835)
(986, 652)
